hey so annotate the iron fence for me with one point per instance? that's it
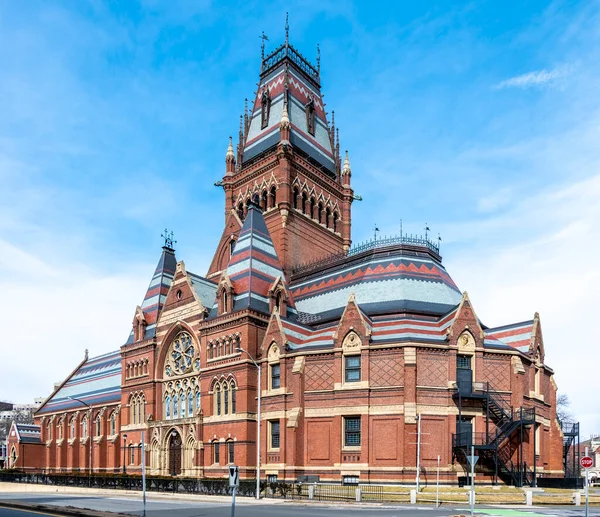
(325, 491)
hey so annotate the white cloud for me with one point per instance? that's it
(536, 78)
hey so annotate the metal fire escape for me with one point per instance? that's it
(570, 439)
(505, 432)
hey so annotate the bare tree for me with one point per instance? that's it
(563, 403)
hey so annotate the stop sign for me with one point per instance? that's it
(586, 462)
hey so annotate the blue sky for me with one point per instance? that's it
(479, 118)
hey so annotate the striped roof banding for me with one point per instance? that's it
(517, 335)
(287, 80)
(28, 433)
(96, 382)
(382, 283)
(157, 291)
(254, 265)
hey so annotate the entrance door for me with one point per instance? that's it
(464, 432)
(464, 375)
(175, 454)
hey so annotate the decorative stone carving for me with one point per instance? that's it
(274, 353)
(351, 342)
(466, 343)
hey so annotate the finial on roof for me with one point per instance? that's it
(318, 58)
(168, 237)
(285, 119)
(229, 157)
(346, 168)
(263, 38)
(86, 354)
(287, 29)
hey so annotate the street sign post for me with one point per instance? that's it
(234, 483)
(472, 459)
(586, 462)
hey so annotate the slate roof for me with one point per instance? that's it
(157, 291)
(285, 66)
(254, 265)
(205, 289)
(384, 280)
(97, 382)
(28, 433)
(516, 335)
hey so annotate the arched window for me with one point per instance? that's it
(98, 426)
(230, 452)
(335, 221)
(216, 458)
(273, 196)
(182, 398)
(218, 399)
(190, 403)
(84, 430)
(240, 211)
(226, 397)
(233, 396)
(327, 216)
(295, 194)
(131, 454)
(263, 200)
(304, 202)
(113, 424)
(320, 213)
(167, 407)
(175, 406)
(60, 429)
(312, 207)
(72, 428)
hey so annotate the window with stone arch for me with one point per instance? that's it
(181, 399)
(61, 423)
(84, 427)
(13, 456)
(273, 357)
(137, 408)
(113, 423)
(352, 363)
(98, 426)
(182, 357)
(72, 428)
(49, 431)
(224, 397)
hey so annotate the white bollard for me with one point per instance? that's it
(358, 494)
(413, 496)
(529, 498)
(311, 492)
(469, 495)
(577, 498)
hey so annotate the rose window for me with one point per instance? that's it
(181, 357)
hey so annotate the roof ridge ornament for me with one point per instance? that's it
(169, 241)
(287, 29)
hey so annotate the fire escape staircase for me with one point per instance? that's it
(570, 439)
(494, 446)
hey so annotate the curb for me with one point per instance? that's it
(61, 511)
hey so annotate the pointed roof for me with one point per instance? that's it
(254, 264)
(288, 78)
(157, 290)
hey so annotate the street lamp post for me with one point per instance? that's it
(257, 425)
(124, 451)
(89, 429)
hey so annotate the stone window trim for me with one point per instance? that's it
(181, 398)
(182, 357)
(216, 452)
(274, 381)
(224, 395)
(230, 452)
(274, 435)
(351, 433)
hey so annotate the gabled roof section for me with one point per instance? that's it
(27, 433)
(157, 291)
(517, 336)
(286, 74)
(97, 381)
(254, 265)
(205, 289)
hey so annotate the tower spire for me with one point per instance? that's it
(230, 158)
(287, 29)
(318, 59)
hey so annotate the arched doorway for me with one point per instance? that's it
(174, 454)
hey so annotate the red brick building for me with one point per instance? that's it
(371, 358)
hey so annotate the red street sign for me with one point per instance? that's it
(586, 462)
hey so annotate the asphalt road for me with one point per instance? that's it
(162, 508)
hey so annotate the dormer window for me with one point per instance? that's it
(265, 102)
(310, 116)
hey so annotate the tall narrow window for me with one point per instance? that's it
(84, 431)
(230, 452)
(216, 452)
(351, 431)
(335, 221)
(113, 424)
(275, 376)
(233, 392)
(304, 202)
(226, 396)
(275, 437)
(218, 395)
(352, 366)
(168, 407)
(131, 455)
(190, 403)
(197, 399)
(310, 116)
(183, 400)
(175, 406)
(72, 428)
(295, 195)
(265, 102)
(273, 196)
(98, 426)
